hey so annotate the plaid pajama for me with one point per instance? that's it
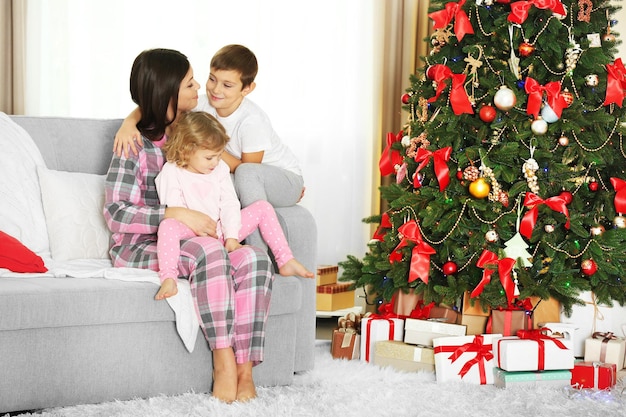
(231, 291)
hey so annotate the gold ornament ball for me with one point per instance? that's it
(619, 222)
(563, 141)
(597, 230)
(479, 188)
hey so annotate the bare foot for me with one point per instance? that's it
(224, 375)
(168, 288)
(293, 267)
(246, 390)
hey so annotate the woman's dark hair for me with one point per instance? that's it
(154, 83)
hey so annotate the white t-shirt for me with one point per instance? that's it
(250, 130)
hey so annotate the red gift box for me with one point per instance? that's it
(594, 375)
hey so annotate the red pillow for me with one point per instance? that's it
(17, 257)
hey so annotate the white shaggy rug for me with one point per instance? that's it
(354, 388)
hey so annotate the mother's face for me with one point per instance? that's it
(188, 93)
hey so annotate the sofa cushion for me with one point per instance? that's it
(72, 204)
(18, 258)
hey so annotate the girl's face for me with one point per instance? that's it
(224, 91)
(204, 161)
(188, 93)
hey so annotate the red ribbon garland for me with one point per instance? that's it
(420, 256)
(385, 223)
(529, 220)
(620, 194)
(484, 353)
(535, 96)
(390, 157)
(458, 96)
(538, 336)
(505, 266)
(441, 158)
(615, 83)
(519, 9)
(462, 24)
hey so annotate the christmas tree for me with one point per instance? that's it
(508, 177)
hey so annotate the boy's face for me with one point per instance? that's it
(225, 91)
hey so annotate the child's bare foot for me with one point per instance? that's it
(168, 288)
(246, 390)
(224, 375)
(293, 267)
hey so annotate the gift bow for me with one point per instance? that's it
(535, 96)
(505, 266)
(529, 220)
(385, 223)
(519, 9)
(620, 194)
(390, 157)
(441, 158)
(462, 25)
(420, 256)
(615, 83)
(540, 337)
(606, 337)
(421, 311)
(458, 96)
(484, 353)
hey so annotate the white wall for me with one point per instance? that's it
(315, 81)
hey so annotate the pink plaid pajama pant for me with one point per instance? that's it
(231, 291)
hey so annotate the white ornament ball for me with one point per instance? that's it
(619, 222)
(592, 80)
(548, 114)
(406, 141)
(563, 141)
(539, 126)
(491, 236)
(549, 228)
(597, 230)
(505, 98)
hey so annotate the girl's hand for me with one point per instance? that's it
(231, 245)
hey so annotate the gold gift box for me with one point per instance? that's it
(326, 274)
(403, 356)
(333, 297)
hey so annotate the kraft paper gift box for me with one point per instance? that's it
(475, 309)
(465, 358)
(422, 332)
(326, 274)
(506, 379)
(594, 375)
(404, 303)
(569, 330)
(473, 324)
(332, 297)
(374, 329)
(345, 344)
(404, 357)
(545, 311)
(508, 322)
(534, 351)
(606, 348)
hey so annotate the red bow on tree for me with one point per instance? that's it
(462, 25)
(420, 255)
(530, 218)
(615, 83)
(458, 96)
(519, 9)
(505, 266)
(441, 158)
(385, 223)
(535, 96)
(620, 194)
(390, 158)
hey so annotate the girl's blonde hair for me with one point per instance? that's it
(193, 131)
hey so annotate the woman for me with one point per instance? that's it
(231, 291)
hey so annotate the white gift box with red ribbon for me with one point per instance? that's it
(534, 351)
(605, 348)
(465, 358)
(374, 329)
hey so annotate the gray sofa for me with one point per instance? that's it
(66, 341)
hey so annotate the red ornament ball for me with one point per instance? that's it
(487, 113)
(568, 96)
(405, 98)
(430, 73)
(450, 268)
(566, 196)
(588, 267)
(593, 186)
(459, 174)
(526, 49)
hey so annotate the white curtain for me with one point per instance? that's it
(318, 68)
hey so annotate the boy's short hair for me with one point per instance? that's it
(194, 131)
(237, 58)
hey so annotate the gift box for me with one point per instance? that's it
(374, 329)
(473, 307)
(508, 322)
(473, 324)
(594, 375)
(332, 297)
(465, 358)
(532, 351)
(506, 379)
(606, 348)
(345, 344)
(569, 330)
(404, 357)
(545, 311)
(326, 274)
(422, 332)
(405, 302)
